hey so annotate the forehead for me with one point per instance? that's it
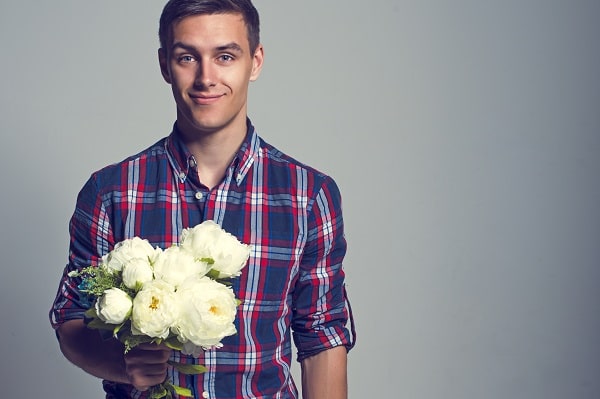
(210, 30)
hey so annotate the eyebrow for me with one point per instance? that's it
(233, 46)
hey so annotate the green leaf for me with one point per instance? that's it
(118, 328)
(183, 391)
(159, 391)
(166, 389)
(131, 341)
(189, 369)
(174, 343)
(226, 282)
(98, 324)
(212, 273)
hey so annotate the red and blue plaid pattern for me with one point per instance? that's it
(293, 284)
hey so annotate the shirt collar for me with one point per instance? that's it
(183, 161)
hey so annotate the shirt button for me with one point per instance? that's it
(205, 395)
(199, 195)
(182, 175)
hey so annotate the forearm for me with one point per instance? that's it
(86, 349)
(324, 375)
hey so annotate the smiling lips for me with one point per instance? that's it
(205, 99)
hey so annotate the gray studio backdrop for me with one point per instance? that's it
(464, 135)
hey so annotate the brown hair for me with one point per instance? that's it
(175, 10)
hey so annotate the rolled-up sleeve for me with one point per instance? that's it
(320, 304)
(89, 232)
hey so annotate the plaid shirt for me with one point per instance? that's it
(288, 212)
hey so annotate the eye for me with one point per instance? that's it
(186, 58)
(226, 58)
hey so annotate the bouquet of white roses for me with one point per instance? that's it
(180, 296)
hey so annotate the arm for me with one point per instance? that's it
(320, 314)
(144, 366)
(324, 375)
(91, 237)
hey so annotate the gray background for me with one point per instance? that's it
(465, 138)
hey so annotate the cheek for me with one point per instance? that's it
(239, 85)
(182, 78)
(179, 82)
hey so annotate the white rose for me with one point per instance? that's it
(136, 272)
(175, 265)
(209, 240)
(154, 310)
(129, 249)
(114, 306)
(208, 310)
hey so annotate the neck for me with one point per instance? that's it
(213, 151)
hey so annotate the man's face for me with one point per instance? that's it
(209, 66)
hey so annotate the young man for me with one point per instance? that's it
(214, 166)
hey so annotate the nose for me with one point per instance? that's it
(205, 74)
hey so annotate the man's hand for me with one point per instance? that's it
(142, 367)
(146, 365)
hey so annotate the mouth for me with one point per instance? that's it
(205, 99)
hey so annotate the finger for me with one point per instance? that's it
(142, 355)
(144, 377)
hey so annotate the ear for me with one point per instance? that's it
(164, 65)
(257, 62)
